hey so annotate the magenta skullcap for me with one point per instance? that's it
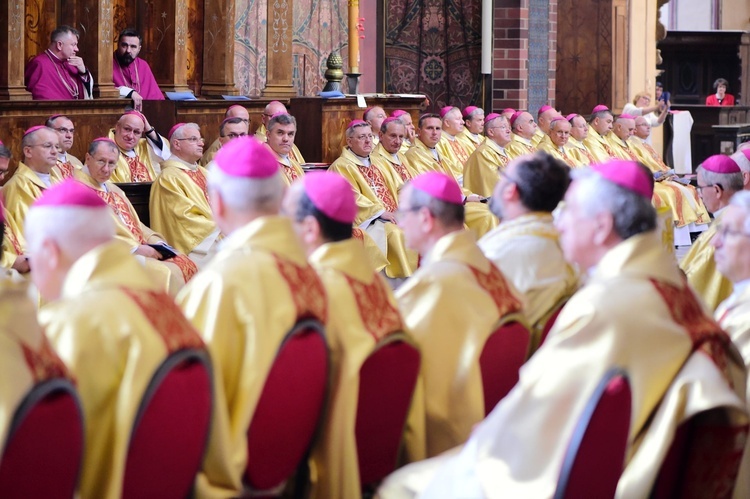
(445, 110)
(398, 113)
(491, 117)
(440, 186)
(543, 109)
(54, 117)
(33, 129)
(599, 108)
(468, 110)
(104, 139)
(332, 194)
(364, 115)
(718, 163)
(355, 123)
(627, 174)
(515, 117)
(625, 116)
(558, 117)
(72, 194)
(174, 129)
(246, 157)
(571, 116)
(509, 110)
(745, 151)
(136, 113)
(391, 119)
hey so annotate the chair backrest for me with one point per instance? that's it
(704, 457)
(171, 428)
(44, 447)
(595, 456)
(289, 408)
(551, 319)
(386, 384)
(502, 356)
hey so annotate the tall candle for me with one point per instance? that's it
(486, 37)
(353, 36)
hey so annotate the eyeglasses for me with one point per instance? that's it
(46, 145)
(234, 135)
(192, 140)
(725, 231)
(363, 137)
(64, 130)
(701, 187)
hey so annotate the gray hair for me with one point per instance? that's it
(632, 214)
(449, 214)
(384, 126)
(731, 182)
(59, 32)
(95, 145)
(181, 133)
(281, 119)
(248, 194)
(29, 137)
(350, 130)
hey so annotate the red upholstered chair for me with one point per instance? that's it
(171, 429)
(595, 455)
(502, 356)
(288, 412)
(386, 385)
(44, 448)
(704, 458)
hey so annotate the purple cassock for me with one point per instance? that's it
(138, 76)
(49, 78)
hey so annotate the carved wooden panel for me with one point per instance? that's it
(584, 55)
(124, 16)
(12, 60)
(40, 19)
(156, 23)
(195, 43)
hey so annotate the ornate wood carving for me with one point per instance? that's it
(280, 30)
(218, 48)
(12, 51)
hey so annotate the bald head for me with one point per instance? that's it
(237, 111)
(624, 128)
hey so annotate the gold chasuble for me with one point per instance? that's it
(65, 167)
(113, 328)
(361, 311)
(620, 148)
(481, 170)
(289, 167)
(451, 305)
(376, 191)
(143, 166)
(579, 152)
(451, 149)
(26, 357)
(559, 153)
(244, 302)
(179, 205)
(598, 146)
(260, 134)
(469, 141)
(11, 246)
(700, 268)
(208, 154)
(519, 146)
(687, 206)
(478, 217)
(527, 251)
(635, 313)
(733, 316)
(19, 193)
(401, 171)
(171, 274)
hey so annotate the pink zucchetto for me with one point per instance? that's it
(332, 194)
(543, 109)
(390, 119)
(445, 110)
(70, 194)
(558, 117)
(491, 117)
(136, 113)
(104, 139)
(33, 129)
(354, 123)
(398, 113)
(509, 110)
(468, 110)
(515, 117)
(718, 163)
(246, 157)
(625, 116)
(174, 129)
(745, 151)
(627, 174)
(364, 115)
(599, 108)
(440, 186)
(571, 116)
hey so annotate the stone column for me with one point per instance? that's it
(279, 51)
(11, 51)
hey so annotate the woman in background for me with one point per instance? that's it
(721, 97)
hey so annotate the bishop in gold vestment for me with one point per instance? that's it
(244, 325)
(600, 125)
(140, 156)
(490, 157)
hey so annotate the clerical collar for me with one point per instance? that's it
(62, 157)
(285, 159)
(435, 153)
(396, 158)
(475, 135)
(365, 160)
(448, 136)
(192, 166)
(44, 177)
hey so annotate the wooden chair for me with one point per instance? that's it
(288, 412)
(386, 384)
(595, 456)
(502, 356)
(704, 457)
(171, 429)
(44, 447)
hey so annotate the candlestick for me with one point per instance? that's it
(353, 36)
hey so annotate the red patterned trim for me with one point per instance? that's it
(307, 291)
(379, 316)
(44, 363)
(494, 283)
